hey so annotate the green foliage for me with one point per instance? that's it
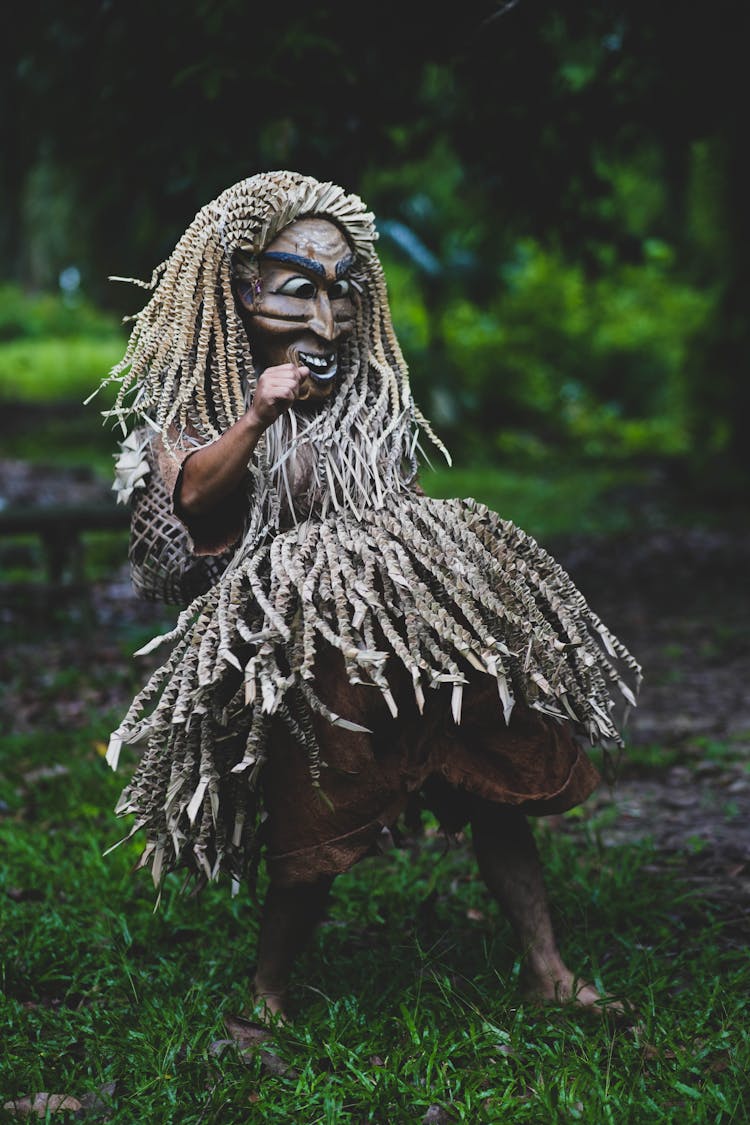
(411, 318)
(39, 315)
(522, 347)
(556, 501)
(57, 369)
(594, 365)
(53, 348)
(553, 358)
(521, 146)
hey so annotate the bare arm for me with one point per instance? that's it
(215, 471)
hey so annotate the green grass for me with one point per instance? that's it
(407, 999)
(44, 380)
(544, 501)
(56, 369)
(656, 760)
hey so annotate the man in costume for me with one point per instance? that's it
(348, 644)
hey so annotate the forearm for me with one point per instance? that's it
(215, 471)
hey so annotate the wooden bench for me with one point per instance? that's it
(61, 528)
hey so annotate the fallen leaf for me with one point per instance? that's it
(39, 1105)
(276, 1066)
(43, 773)
(217, 1048)
(437, 1115)
(651, 1051)
(42, 1002)
(245, 1032)
(99, 1104)
(504, 1050)
(24, 894)
(475, 915)
(247, 1038)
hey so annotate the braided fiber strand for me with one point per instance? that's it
(188, 364)
(338, 550)
(498, 604)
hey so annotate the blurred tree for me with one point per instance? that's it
(570, 94)
(152, 107)
(607, 134)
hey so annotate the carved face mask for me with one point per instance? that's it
(301, 309)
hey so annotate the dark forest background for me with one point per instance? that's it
(562, 195)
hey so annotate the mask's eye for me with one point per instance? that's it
(298, 287)
(339, 289)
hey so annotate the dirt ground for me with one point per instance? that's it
(678, 598)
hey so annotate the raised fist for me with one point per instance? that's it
(278, 387)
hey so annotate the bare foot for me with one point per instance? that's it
(558, 985)
(269, 1007)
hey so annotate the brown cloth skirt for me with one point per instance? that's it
(533, 763)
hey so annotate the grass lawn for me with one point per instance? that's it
(546, 501)
(407, 1006)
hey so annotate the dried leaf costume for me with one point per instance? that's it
(346, 643)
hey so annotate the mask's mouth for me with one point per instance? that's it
(318, 385)
(322, 368)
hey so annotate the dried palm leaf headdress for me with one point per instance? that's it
(366, 566)
(188, 364)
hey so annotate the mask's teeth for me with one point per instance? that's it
(322, 368)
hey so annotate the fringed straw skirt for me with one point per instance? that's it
(427, 647)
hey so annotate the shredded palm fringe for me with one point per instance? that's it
(338, 549)
(445, 587)
(188, 367)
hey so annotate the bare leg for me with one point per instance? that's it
(290, 915)
(509, 864)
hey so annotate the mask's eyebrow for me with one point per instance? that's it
(293, 260)
(343, 267)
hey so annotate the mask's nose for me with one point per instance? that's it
(322, 321)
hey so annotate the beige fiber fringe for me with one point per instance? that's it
(357, 559)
